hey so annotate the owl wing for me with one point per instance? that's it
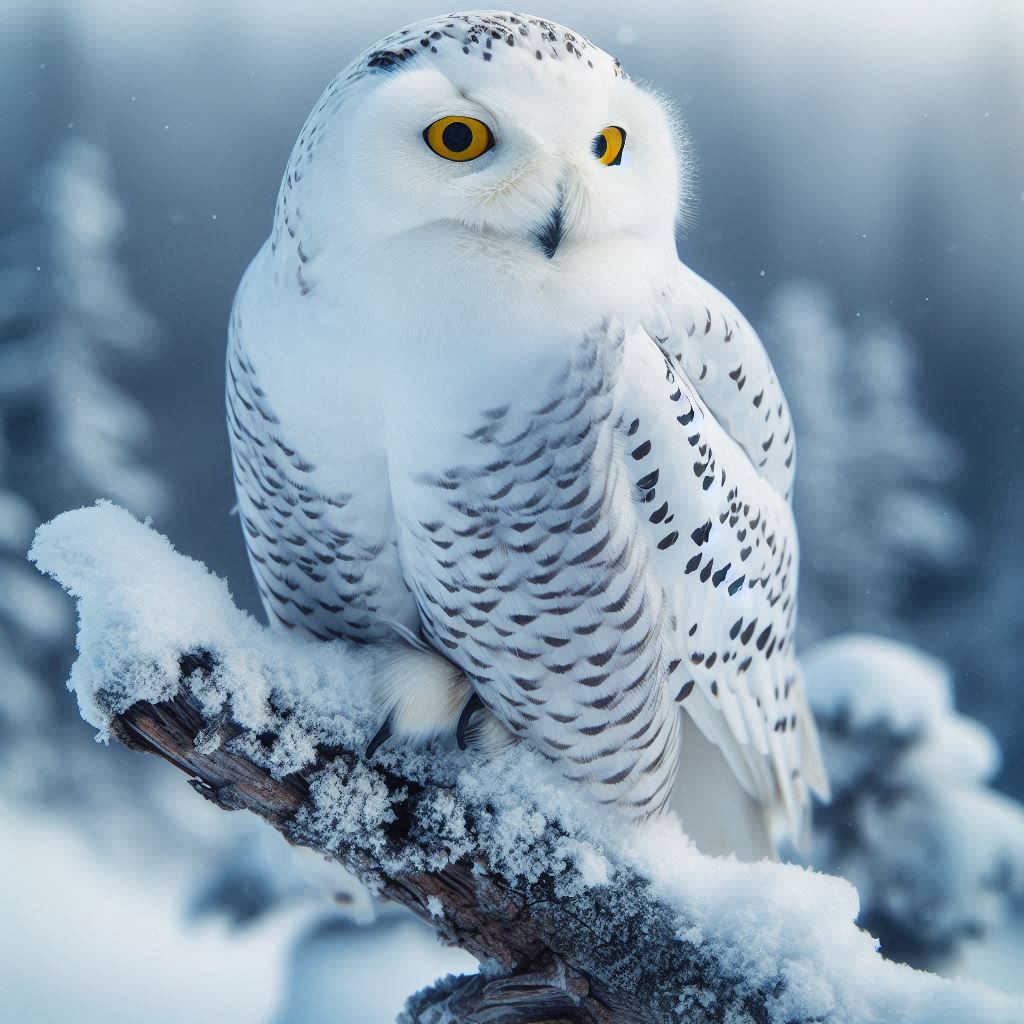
(323, 558)
(725, 552)
(706, 336)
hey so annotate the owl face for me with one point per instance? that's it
(498, 138)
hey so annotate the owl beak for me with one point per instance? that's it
(551, 235)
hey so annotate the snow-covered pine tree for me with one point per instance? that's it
(913, 822)
(936, 855)
(869, 500)
(985, 630)
(68, 434)
(31, 620)
(70, 320)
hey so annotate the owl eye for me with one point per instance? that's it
(458, 138)
(608, 145)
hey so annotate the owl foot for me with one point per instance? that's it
(471, 706)
(380, 737)
(423, 697)
(482, 731)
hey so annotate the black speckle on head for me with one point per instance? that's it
(388, 60)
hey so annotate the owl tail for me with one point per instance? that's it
(716, 811)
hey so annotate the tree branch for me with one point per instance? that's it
(574, 915)
(583, 958)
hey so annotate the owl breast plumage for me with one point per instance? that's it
(569, 478)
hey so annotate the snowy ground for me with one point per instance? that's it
(85, 941)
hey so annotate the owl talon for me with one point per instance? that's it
(380, 737)
(422, 698)
(472, 705)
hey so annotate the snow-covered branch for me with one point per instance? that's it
(573, 915)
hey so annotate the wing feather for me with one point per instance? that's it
(725, 552)
(710, 341)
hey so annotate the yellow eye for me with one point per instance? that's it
(609, 144)
(458, 138)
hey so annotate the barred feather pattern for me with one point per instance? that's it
(518, 568)
(325, 562)
(530, 574)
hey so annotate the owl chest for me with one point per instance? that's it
(523, 556)
(504, 500)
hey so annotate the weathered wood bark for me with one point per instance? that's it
(611, 955)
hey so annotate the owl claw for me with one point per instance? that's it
(472, 705)
(423, 698)
(382, 735)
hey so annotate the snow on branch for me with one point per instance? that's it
(573, 915)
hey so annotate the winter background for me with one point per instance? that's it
(859, 194)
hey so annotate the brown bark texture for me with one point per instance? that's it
(610, 954)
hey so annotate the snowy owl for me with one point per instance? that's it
(481, 415)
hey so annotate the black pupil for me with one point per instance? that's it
(600, 145)
(457, 136)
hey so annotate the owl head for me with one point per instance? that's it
(490, 139)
